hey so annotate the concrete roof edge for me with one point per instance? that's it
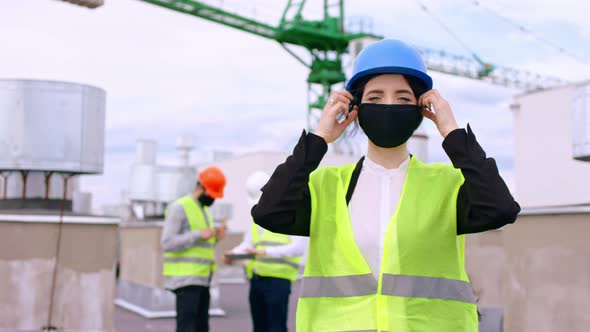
(572, 209)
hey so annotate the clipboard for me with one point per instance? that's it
(240, 256)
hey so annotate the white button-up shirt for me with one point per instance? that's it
(373, 203)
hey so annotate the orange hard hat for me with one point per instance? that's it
(213, 180)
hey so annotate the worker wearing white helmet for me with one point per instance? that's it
(274, 265)
(386, 249)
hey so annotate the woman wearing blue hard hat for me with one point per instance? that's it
(386, 249)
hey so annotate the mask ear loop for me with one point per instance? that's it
(342, 115)
(430, 108)
(353, 102)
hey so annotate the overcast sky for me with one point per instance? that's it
(168, 74)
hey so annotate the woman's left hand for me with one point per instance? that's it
(436, 108)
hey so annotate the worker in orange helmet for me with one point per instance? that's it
(188, 240)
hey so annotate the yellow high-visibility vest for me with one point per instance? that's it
(199, 260)
(422, 285)
(284, 268)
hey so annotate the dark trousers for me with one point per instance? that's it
(192, 309)
(269, 303)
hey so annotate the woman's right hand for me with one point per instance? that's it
(329, 128)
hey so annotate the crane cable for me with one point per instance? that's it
(525, 30)
(449, 31)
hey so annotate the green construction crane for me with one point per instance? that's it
(327, 41)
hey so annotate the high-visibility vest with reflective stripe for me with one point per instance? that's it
(422, 284)
(199, 260)
(284, 268)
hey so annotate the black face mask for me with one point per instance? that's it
(206, 200)
(388, 126)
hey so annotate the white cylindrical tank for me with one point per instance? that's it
(581, 123)
(143, 180)
(185, 142)
(51, 126)
(169, 179)
(145, 152)
(143, 183)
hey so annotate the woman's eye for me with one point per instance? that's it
(374, 98)
(405, 100)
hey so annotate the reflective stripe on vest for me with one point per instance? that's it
(342, 286)
(268, 244)
(394, 285)
(283, 268)
(422, 285)
(427, 287)
(188, 260)
(198, 260)
(202, 244)
(278, 261)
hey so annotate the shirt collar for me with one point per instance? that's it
(375, 168)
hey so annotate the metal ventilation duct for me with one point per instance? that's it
(49, 132)
(51, 126)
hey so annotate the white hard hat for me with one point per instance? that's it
(254, 183)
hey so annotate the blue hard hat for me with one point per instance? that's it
(389, 56)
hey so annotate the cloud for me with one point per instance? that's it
(168, 74)
(561, 65)
(571, 12)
